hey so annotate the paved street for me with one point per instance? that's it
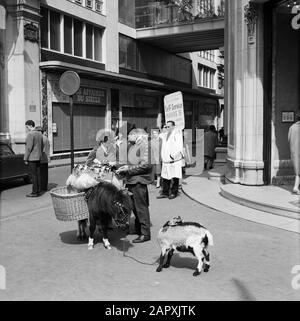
(44, 261)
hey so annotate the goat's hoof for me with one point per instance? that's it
(108, 247)
(90, 247)
(166, 266)
(159, 269)
(196, 273)
(206, 268)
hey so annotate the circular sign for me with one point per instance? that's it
(69, 83)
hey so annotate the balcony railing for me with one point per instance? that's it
(169, 13)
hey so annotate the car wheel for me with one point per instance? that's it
(27, 179)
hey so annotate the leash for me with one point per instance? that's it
(134, 259)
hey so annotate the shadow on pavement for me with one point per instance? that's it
(70, 237)
(244, 293)
(183, 262)
(51, 186)
(116, 238)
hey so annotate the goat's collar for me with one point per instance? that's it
(172, 224)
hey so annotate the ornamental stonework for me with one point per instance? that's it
(31, 32)
(251, 16)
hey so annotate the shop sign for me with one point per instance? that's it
(174, 109)
(287, 117)
(144, 101)
(91, 96)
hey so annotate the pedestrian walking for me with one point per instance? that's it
(294, 142)
(137, 174)
(45, 159)
(210, 144)
(171, 154)
(33, 156)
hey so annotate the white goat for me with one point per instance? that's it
(184, 237)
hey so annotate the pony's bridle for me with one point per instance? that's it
(121, 221)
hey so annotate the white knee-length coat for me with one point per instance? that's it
(172, 154)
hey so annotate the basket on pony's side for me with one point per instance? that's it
(69, 206)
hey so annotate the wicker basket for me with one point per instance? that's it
(69, 207)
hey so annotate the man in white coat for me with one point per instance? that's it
(171, 155)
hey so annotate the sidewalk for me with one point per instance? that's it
(66, 161)
(269, 205)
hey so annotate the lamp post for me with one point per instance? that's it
(69, 84)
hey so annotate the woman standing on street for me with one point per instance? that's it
(105, 151)
(294, 141)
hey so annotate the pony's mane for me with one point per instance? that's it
(104, 198)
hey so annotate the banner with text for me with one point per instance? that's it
(174, 110)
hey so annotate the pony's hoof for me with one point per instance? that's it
(159, 269)
(196, 273)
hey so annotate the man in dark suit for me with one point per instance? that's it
(33, 156)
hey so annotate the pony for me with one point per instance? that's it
(108, 207)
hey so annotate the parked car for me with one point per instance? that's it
(12, 165)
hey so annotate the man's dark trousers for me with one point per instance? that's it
(44, 176)
(35, 170)
(141, 208)
(166, 186)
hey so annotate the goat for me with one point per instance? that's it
(184, 237)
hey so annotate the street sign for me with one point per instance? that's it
(69, 83)
(174, 109)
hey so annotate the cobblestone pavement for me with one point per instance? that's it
(44, 261)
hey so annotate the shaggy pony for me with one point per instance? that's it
(108, 206)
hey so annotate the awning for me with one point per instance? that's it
(122, 79)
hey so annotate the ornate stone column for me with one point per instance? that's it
(3, 106)
(244, 91)
(23, 74)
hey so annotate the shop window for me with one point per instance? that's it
(128, 53)
(87, 121)
(99, 6)
(89, 41)
(68, 34)
(44, 28)
(212, 79)
(89, 4)
(54, 31)
(77, 38)
(98, 44)
(127, 12)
